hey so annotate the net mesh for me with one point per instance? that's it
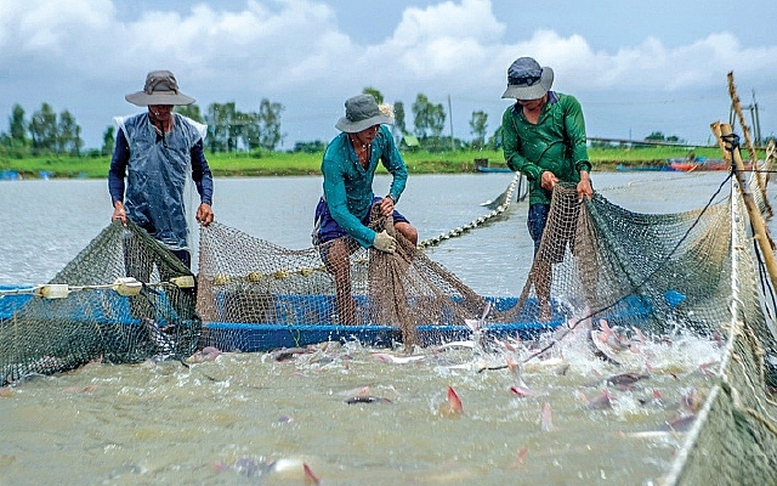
(244, 279)
(90, 310)
(734, 439)
(657, 272)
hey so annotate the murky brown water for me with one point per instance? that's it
(219, 422)
(249, 419)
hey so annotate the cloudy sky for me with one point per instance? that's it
(636, 66)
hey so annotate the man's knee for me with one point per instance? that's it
(408, 231)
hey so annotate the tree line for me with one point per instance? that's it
(45, 132)
(229, 129)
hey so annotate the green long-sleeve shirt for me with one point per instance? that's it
(556, 143)
(348, 185)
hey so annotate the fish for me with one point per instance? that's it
(366, 399)
(208, 353)
(520, 389)
(310, 476)
(457, 344)
(602, 401)
(546, 418)
(249, 467)
(625, 381)
(519, 457)
(679, 424)
(523, 392)
(390, 358)
(287, 353)
(452, 406)
(164, 347)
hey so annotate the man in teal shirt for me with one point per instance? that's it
(343, 213)
(544, 138)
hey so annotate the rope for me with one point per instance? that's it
(508, 196)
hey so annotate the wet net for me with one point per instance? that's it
(734, 439)
(123, 299)
(337, 288)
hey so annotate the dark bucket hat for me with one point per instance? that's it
(361, 112)
(161, 89)
(526, 80)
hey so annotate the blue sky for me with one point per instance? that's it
(636, 67)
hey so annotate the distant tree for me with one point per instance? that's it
(17, 128)
(43, 129)
(190, 111)
(399, 117)
(309, 147)
(109, 140)
(220, 120)
(429, 119)
(68, 135)
(655, 137)
(495, 142)
(478, 124)
(375, 94)
(269, 119)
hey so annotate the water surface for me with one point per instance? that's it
(227, 421)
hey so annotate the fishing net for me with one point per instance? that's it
(336, 288)
(657, 272)
(734, 439)
(123, 299)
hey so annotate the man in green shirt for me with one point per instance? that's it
(544, 138)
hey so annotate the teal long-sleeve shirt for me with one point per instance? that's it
(348, 186)
(556, 143)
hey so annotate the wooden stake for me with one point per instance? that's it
(732, 91)
(756, 220)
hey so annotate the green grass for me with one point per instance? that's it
(281, 163)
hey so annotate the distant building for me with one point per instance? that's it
(410, 142)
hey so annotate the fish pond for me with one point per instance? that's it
(348, 414)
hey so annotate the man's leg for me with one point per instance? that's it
(543, 273)
(336, 256)
(408, 231)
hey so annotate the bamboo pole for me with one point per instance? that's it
(732, 91)
(762, 237)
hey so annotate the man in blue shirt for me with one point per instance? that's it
(348, 167)
(157, 151)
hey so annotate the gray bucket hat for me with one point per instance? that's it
(526, 80)
(161, 89)
(361, 112)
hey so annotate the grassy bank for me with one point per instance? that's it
(280, 164)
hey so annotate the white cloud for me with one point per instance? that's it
(293, 52)
(40, 25)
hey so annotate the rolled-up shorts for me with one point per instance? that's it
(328, 229)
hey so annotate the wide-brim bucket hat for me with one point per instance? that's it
(161, 89)
(361, 112)
(526, 80)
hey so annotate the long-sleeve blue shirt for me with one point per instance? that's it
(348, 186)
(156, 167)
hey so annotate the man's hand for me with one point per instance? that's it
(386, 206)
(584, 188)
(119, 213)
(385, 242)
(205, 214)
(548, 180)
